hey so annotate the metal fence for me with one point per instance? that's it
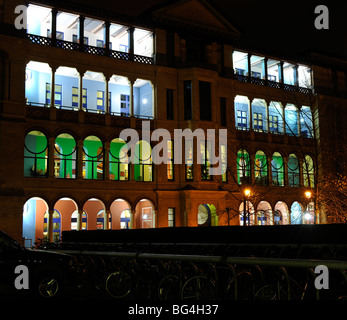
(210, 271)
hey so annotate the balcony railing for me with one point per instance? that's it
(272, 84)
(67, 45)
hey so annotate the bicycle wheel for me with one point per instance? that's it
(266, 292)
(118, 284)
(198, 288)
(169, 287)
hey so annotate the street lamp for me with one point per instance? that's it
(308, 195)
(246, 193)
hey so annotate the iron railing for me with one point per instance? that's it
(72, 46)
(210, 271)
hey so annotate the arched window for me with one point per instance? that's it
(143, 170)
(100, 220)
(119, 168)
(296, 213)
(306, 123)
(281, 213)
(35, 154)
(264, 214)
(260, 169)
(246, 209)
(276, 118)
(293, 171)
(74, 220)
(291, 119)
(241, 113)
(308, 171)
(278, 220)
(259, 115)
(93, 158)
(56, 225)
(65, 156)
(243, 167)
(207, 215)
(277, 170)
(125, 219)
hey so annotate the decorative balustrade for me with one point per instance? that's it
(272, 84)
(72, 46)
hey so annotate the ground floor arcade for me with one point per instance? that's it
(43, 221)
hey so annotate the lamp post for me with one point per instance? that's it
(246, 194)
(308, 195)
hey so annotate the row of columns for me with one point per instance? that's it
(79, 145)
(281, 114)
(131, 81)
(106, 27)
(280, 70)
(285, 170)
(106, 220)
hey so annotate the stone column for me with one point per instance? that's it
(54, 69)
(80, 159)
(107, 161)
(51, 146)
(81, 32)
(107, 219)
(79, 219)
(269, 170)
(107, 25)
(54, 26)
(50, 225)
(154, 218)
(249, 66)
(285, 169)
(301, 172)
(132, 219)
(131, 42)
(131, 85)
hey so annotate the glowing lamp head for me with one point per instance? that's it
(308, 194)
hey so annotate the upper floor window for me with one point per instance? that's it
(170, 160)
(93, 158)
(143, 167)
(58, 94)
(261, 168)
(242, 119)
(35, 154)
(243, 167)
(241, 105)
(39, 20)
(143, 42)
(119, 167)
(70, 27)
(189, 159)
(65, 158)
(293, 171)
(277, 170)
(205, 154)
(308, 171)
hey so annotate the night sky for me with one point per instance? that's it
(285, 26)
